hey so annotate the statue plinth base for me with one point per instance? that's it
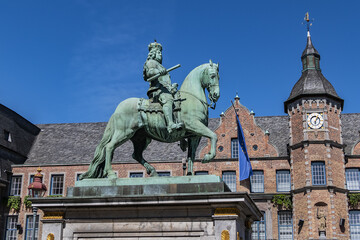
(147, 186)
(183, 208)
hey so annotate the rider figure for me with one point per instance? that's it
(161, 90)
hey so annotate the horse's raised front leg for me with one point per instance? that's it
(201, 130)
(193, 143)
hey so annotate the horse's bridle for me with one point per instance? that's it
(203, 102)
(207, 86)
(212, 104)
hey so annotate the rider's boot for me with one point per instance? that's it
(167, 108)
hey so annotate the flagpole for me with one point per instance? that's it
(234, 108)
(238, 139)
(243, 155)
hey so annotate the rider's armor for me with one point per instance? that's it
(161, 90)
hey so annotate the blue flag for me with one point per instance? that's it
(245, 169)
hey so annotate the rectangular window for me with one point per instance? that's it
(201, 173)
(163, 174)
(57, 184)
(283, 180)
(7, 136)
(257, 182)
(31, 179)
(136, 174)
(352, 178)
(234, 148)
(15, 189)
(78, 176)
(229, 177)
(285, 225)
(259, 229)
(30, 227)
(318, 173)
(11, 230)
(354, 222)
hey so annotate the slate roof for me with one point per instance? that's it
(312, 81)
(309, 49)
(350, 130)
(75, 143)
(278, 127)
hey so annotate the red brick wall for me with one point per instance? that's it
(301, 158)
(305, 202)
(253, 134)
(356, 150)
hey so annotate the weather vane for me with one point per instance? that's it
(307, 21)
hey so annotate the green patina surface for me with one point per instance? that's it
(148, 181)
(141, 120)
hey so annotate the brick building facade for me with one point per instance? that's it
(309, 156)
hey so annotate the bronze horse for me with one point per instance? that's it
(125, 125)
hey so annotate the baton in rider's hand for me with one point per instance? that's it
(158, 75)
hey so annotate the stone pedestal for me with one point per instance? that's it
(189, 209)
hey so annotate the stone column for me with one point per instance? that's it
(227, 222)
(53, 226)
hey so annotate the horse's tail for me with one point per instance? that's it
(96, 168)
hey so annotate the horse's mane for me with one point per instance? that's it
(195, 72)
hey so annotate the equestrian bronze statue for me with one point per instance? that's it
(169, 115)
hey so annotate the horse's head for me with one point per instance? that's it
(210, 81)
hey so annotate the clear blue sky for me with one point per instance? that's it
(75, 60)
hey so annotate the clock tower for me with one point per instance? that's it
(317, 161)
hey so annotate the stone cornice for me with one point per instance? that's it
(310, 188)
(306, 143)
(352, 156)
(266, 196)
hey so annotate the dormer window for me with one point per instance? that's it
(7, 136)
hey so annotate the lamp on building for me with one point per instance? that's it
(342, 222)
(36, 189)
(301, 222)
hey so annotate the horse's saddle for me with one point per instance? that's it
(152, 117)
(150, 105)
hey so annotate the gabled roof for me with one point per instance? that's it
(278, 127)
(75, 143)
(350, 126)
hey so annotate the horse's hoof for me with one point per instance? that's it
(111, 174)
(153, 174)
(189, 174)
(207, 158)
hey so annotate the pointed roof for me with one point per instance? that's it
(312, 82)
(310, 49)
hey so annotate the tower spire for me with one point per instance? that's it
(312, 82)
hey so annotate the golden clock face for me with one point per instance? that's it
(315, 120)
